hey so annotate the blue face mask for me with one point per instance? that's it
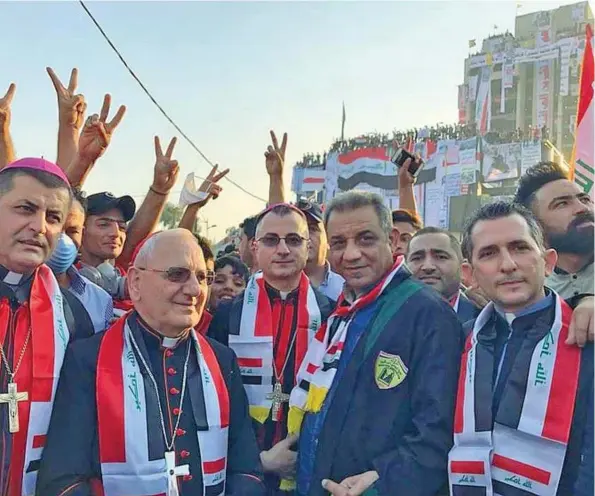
(63, 255)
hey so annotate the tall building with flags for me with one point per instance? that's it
(533, 76)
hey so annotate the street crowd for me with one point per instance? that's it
(344, 349)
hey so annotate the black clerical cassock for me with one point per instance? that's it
(109, 425)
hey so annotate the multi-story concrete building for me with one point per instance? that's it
(533, 76)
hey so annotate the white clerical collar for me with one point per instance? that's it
(13, 278)
(169, 342)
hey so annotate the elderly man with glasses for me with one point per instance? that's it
(269, 327)
(151, 406)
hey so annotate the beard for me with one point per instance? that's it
(575, 241)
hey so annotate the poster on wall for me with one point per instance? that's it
(530, 154)
(500, 161)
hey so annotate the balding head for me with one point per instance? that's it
(168, 282)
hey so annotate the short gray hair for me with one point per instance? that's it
(146, 252)
(352, 200)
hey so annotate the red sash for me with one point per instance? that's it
(38, 372)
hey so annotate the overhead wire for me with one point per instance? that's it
(159, 107)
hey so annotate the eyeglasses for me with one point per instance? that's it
(292, 240)
(181, 275)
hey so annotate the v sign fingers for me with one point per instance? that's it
(71, 107)
(5, 103)
(220, 176)
(170, 148)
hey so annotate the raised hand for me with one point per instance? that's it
(71, 107)
(275, 155)
(210, 186)
(166, 170)
(97, 133)
(5, 103)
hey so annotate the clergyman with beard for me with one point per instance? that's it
(566, 214)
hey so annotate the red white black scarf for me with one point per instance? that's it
(44, 356)
(122, 422)
(254, 343)
(319, 367)
(494, 460)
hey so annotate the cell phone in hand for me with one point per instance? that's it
(401, 156)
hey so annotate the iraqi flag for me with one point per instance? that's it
(583, 154)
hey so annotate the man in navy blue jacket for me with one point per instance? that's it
(393, 348)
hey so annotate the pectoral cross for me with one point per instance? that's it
(12, 397)
(173, 473)
(278, 398)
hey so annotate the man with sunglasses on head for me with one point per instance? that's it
(269, 327)
(318, 269)
(151, 406)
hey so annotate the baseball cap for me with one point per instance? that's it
(100, 203)
(311, 209)
(40, 164)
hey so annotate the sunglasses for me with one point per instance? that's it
(181, 275)
(292, 240)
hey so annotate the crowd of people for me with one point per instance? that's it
(346, 350)
(415, 135)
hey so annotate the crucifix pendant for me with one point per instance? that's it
(173, 473)
(278, 398)
(12, 397)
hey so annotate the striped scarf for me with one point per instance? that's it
(319, 367)
(254, 343)
(489, 458)
(44, 357)
(122, 420)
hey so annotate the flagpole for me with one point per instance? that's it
(343, 124)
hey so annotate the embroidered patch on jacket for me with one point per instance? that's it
(389, 371)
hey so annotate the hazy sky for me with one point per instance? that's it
(228, 72)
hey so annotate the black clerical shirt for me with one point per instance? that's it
(71, 457)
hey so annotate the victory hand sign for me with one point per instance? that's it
(71, 107)
(166, 170)
(275, 155)
(97, 133)
(210, 186)
(5, 103)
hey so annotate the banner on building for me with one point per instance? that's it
(500, 161)
(313, 180)
(483, 104)
(468, 152)
(463, 90)
(473, 82)
(542, 93)
(530, 154)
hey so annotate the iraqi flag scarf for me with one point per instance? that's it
(122, 419)
(523, 450)
(254, 343)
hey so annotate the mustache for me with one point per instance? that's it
(581, 219)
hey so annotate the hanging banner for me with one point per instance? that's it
(530, 154)
(483, 105)
(542, 92)
(473, 80)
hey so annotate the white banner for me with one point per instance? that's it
(530, 155)
(542, 92)
(473, 80)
